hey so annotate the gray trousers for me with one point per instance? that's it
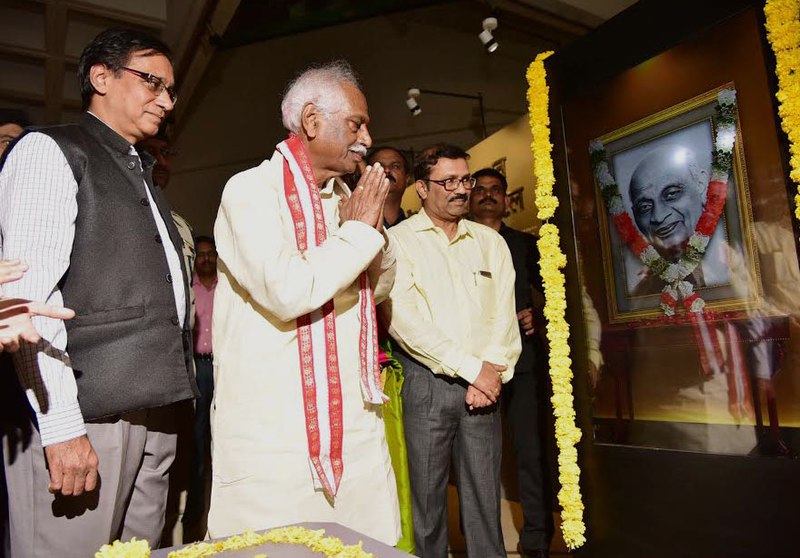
(440, 431)
(135, 452)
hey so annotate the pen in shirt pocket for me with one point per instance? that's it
(482, 273)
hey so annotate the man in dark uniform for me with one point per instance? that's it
(525, 397)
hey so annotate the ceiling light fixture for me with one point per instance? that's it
(486, 37)
(411, 101)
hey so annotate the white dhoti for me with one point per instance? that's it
(260, 454)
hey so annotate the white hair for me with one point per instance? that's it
(319, 86)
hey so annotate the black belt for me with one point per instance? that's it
(204, 356)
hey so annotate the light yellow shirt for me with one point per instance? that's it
(452, 303)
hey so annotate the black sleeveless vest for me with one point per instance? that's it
(126, 346)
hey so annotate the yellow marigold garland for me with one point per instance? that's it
(783, 33)
(316, 541)
(551, 263)
(132, 549)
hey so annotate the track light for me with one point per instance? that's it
(486, 37)
(411, 101)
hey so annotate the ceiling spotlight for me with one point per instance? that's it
(411, 101)
(486, 37)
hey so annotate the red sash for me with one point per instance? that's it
(316, 331)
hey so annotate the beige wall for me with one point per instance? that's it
(514, 143)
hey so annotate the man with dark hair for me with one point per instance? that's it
(525, 396)
(451, 311)
(12, 123)
(102, 386)
(398, 171)
(204, 284)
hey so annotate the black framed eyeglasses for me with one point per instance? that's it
(154, 84)
(452, 184)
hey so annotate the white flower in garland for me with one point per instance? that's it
(684, 288)
(649, 256)
(727, 97)
(726, 136)
(615, 205)
(699, 242)
(604, 176)
(677, 271)
(698, 304)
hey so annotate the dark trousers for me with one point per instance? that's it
(524, 403)
(441, 430)
(201, 433)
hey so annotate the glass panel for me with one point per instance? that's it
(711, 362)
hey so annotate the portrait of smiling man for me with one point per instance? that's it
(78, 203)
(667, 192)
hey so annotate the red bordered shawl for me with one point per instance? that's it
(316, 331)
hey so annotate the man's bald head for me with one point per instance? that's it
(667, 191)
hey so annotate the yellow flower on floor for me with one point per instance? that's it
(118, 549)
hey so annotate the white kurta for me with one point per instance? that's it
(261, 472)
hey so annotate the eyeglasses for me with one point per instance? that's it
(451, 184)
(155, 84)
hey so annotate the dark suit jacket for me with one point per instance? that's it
(525, 257)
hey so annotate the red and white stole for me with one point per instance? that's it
(316, 331)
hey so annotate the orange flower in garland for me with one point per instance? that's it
(551, 264)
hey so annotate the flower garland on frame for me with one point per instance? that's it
(674, 273)
(551, 263)
(783, 33)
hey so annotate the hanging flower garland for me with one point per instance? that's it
(783, 33)
(315, 540)
(551, 263)
(674, 273)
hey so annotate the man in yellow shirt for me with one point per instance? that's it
(451, 311)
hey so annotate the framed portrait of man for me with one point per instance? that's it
(662, 166)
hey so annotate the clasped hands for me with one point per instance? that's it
(485, 390)
(365, 203)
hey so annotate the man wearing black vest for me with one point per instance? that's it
(525, 396)
(78, 203)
